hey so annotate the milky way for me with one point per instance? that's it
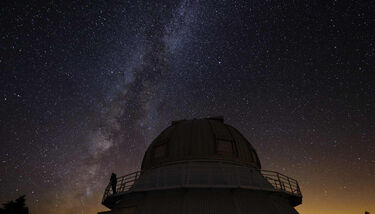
(86, 86)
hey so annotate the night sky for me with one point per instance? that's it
(85, 87)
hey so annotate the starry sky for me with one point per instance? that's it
(86, 85)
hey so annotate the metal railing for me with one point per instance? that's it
(278, 181)
(123, 184)
(282, 182)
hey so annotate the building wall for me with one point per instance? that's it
(205, 201)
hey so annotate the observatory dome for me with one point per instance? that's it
(207, 138)
(201, 166)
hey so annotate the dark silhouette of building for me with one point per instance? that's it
(202, 166)
(15, 207)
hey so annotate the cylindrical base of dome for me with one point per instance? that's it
(202, 201)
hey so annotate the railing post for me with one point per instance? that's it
(157, 178)
(187, 177)
(120, 183)
(290, 186)
(210, 176)
(252, 175)
(182, 182)
(237, 177)
(278, 178)
(298, 189)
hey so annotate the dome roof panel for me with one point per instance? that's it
(201, 136)
(208, 138)
(220, 130)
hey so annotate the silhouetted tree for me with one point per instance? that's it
(15, 207)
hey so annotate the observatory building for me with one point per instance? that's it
(202, 166)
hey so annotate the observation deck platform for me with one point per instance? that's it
(192, 174)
